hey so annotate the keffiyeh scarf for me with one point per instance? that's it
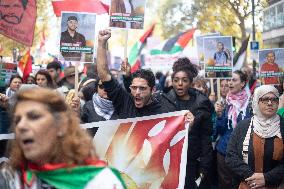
(103, 107)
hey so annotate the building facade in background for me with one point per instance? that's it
(273, 24)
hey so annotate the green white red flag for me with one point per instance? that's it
(162, 57)
(94, 174)
(175, 44)
(134, 56)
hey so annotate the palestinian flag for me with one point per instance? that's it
(25, 65)
(240, 57)
(134, 57)
(93, 175)
(175, 44)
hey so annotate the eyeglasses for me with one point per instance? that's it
(141, 88)
(101, 86)
(273, 100)
(69, 76)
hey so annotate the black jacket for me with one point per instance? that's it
(89, 115)
(124, 104)
(273, 170)
(199, 139)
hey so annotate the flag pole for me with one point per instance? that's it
(218, 89)
(76, 79)
(212, 86)
(125, 43)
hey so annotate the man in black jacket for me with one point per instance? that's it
(140, 101)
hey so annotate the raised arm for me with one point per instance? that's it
(102, 65)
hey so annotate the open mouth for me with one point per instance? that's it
(180, 90)
(27, 142)
(138, 100)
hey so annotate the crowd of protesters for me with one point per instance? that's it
(235, 140)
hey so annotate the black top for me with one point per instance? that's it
(89, 114)
(124, 104)
(273, 170)
(66, 40)
(199, 139)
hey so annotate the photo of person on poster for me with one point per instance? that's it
(222, 56)
(127, 14)
(218, 56)
(17, 20)
(71, 37)
(77, 37)
(269, 68)
(12, 13)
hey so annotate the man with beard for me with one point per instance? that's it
(71, 40)
(141, 101)
(54, 70)
(12, 12)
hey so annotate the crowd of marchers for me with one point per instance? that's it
(235, 141)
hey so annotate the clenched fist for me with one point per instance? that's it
(104, 35)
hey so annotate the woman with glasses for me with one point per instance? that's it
(255, 150)
(235, 110)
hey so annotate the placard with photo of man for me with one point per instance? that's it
(77, 37)
(127, 13)
(271, 65)
(218, 56)
(199, 44)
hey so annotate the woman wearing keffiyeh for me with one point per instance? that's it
(50, 149)
(235, 111)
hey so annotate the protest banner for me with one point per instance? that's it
(17, 20)
(271, 65)
(6, 71)
(127, 14)
(150, 152)
(77, 37)
(218, 56)
(162, 62)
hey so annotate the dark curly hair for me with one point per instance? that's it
(184, 64)
(243, 75)
(148, 75)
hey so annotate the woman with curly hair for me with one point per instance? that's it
(199, 156)
(50, 149)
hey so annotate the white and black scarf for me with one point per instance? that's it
(103, 107)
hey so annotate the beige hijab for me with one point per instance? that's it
(263, 127)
